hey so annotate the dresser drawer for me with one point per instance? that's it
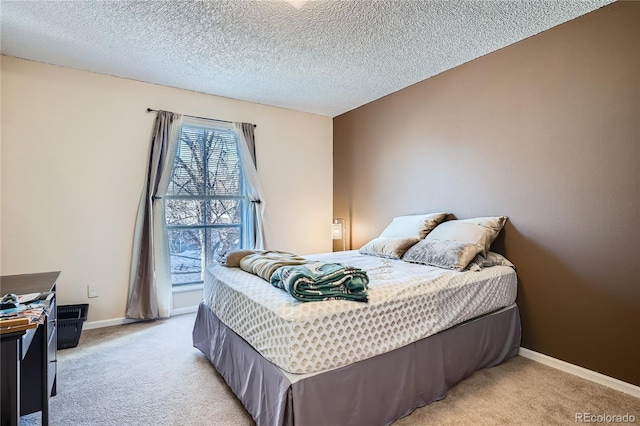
(52, 319)
(52, 358)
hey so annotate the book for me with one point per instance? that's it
(16, 324)
(10, 322)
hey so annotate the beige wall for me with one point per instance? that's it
(545, 131)
(74, 148)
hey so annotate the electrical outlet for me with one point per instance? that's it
(92, 291)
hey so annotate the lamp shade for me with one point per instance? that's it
(339, 231)
(336, 230)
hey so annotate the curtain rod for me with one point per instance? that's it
(195, 116)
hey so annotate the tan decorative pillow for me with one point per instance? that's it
(492, 259)
(412, 226)
(480, 230)
(390, 248)
(232, 258)
(443, 254)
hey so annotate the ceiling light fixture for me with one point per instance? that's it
(297, 3)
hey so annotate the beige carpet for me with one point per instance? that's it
(150, 374)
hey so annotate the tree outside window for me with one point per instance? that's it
(205, 201)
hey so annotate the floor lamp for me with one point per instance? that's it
(339, 231)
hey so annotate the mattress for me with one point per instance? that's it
(407, 302)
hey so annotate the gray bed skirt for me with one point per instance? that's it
(374, 391)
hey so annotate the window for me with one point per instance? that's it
(205, 200)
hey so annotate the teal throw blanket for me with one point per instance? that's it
(316, 281)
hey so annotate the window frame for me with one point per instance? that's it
(242, 199)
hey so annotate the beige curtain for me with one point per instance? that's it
(254, 234)
(150, 277)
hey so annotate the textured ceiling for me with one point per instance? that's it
(327, 58)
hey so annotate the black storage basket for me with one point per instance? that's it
(70, 320)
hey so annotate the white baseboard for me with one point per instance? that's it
(593, 376)
(182, 311)
(107, 323)
(119, 321)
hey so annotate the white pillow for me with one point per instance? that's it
(412, 226)
(480, 230)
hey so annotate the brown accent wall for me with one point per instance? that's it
(546, 132)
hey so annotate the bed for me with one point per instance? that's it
(339, 362)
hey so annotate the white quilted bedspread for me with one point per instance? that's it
(407, 302)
